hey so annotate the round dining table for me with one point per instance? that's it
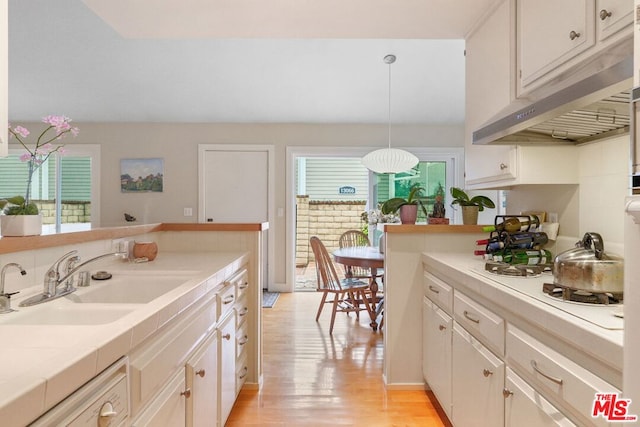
(366, 257)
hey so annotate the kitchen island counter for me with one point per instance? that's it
(42, 364)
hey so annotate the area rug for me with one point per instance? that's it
(269, 298)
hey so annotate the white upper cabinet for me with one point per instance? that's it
(550, 33)
(613, 16)
(555, 37)
(4, 77)
(490, 51)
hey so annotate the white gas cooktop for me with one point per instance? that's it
(604, 316)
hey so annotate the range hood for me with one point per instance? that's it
(592, 108)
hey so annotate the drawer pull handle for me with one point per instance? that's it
(604, 14)
(243, 340)
(487, 373)
(245, 370)
(556, 380)
(228, 300)
(573, 35)
(244, 285)
(442, 327)
(243, 312)
(186, 393)
(506, 392)
(470, 317)
(227, 337)
(201, 373)
(503, 166)
(434, 289)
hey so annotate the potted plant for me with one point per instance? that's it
(470, 206)
(20, 216)
(407, 208)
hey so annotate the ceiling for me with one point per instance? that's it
(258, 61)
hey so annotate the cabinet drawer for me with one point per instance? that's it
(242, 309)
(485, 325)
(242, 339)
(226, 299)
(556, 375)
(241, 281)
(241, 373)
(438, 291)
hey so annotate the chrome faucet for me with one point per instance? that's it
(53, 279)
(5, 299)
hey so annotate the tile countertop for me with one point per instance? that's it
(603, 345)
(42, 364)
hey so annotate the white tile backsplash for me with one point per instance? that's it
(604, 171)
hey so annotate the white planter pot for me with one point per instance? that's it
(20, 225)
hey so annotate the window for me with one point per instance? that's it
(65, 187)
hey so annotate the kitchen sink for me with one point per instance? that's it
(127, 289)
(65, 315)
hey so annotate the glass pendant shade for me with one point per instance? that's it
(389, 160)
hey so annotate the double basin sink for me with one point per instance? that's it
(104, 301)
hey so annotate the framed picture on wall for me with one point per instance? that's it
(141, 175)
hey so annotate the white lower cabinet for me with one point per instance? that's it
(525, 407)
(202, 380)
(477, 382)
(227, 371)
(436, 352)
(486, 372)
(168, 408)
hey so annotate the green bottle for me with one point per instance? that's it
(524, 256)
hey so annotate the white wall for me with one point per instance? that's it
(596, 204)
(178, 145)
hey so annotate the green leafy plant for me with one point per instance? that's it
(416, 196)
(461, 198)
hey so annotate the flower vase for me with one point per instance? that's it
(20, 225)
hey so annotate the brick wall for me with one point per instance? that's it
(72, 212)
(325, 219)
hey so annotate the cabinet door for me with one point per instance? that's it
(490, 87)
(227, 366)
(525, 407)
(612, 16)
(436, 352)
(202, 380)
(478, 380)
(550, 33)
(168, 408)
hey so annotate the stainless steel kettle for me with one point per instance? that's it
(588, 268)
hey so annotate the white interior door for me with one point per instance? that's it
(236, 186)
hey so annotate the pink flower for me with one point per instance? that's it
(25, 157)
(61, 123)
(23, 132)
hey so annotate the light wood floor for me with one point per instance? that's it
(314, 379)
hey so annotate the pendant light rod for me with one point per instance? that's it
(389, 59)
(389, 160)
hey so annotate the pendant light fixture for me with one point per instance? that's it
(389, 160)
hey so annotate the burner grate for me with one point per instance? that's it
(517, 270)
(585, 297)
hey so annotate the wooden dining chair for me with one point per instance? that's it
(357, 238)
(347, 293)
